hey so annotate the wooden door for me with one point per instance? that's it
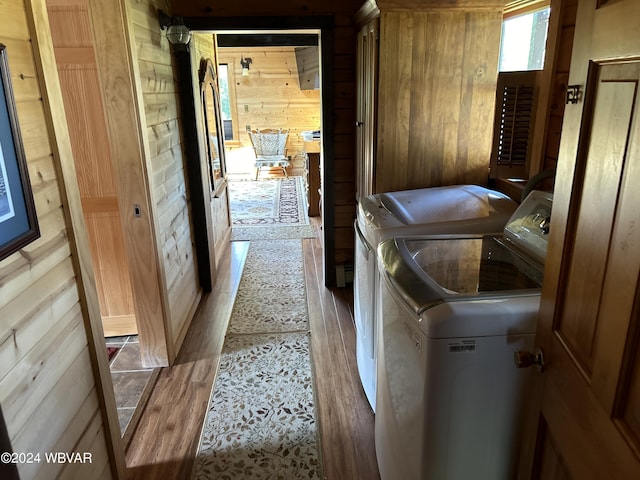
(584, 418)
(367, 53)
(78, 73)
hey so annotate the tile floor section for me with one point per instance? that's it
(128, 375)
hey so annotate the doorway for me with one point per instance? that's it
(84, 109)
(270, 81)
(322, 27)
(79, 81)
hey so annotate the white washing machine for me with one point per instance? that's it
(437, 210)
(453, 310)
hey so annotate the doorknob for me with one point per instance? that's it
(524, 359)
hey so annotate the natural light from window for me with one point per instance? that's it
(225, 100)
(524, 38)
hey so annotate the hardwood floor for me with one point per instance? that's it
(165, 442)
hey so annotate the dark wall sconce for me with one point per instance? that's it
(245, 62)
(178, 34)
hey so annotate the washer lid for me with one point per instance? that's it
(426, 271)
(445, 204)
(456, 209)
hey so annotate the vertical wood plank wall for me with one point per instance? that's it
(47, 386)
(122, 105)
(437, 80)
(270, 97)
(344, 135)
(167, 175)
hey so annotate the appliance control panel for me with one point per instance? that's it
(529, 226)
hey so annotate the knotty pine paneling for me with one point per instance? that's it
(158, 80)
(163, 137)
(45, 369)
(270, 97)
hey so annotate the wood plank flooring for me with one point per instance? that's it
(165, 442)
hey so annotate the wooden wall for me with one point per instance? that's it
(161, 122)
(343, 117)
(444, 90)
(437, 79)
(49, 394)
(270, 97)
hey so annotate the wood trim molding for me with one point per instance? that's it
(326, 25)
(231, 81)
(514, 8)
(367, 12)
(120, 83)
(78, 239)
(220, 24)
(545, 90)
(426, 5)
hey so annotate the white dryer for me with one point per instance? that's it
(453, 311)
(437, 210)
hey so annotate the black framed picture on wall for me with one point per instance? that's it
(18, 221)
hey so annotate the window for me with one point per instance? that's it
(523, 41)
(225, 102)
(522, 56)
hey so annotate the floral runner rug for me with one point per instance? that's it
(261, 421)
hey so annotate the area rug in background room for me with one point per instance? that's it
(267, 203)
(261, 421)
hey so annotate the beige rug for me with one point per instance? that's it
(261, 421)
(259, 206)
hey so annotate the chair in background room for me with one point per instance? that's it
(270, 146)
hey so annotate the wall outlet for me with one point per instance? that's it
(248, 128)
(246, 108)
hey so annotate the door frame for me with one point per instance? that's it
(325, 25)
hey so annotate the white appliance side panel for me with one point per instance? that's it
(364, 305)
(446, 408)
(474, 397)
(400, 389)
